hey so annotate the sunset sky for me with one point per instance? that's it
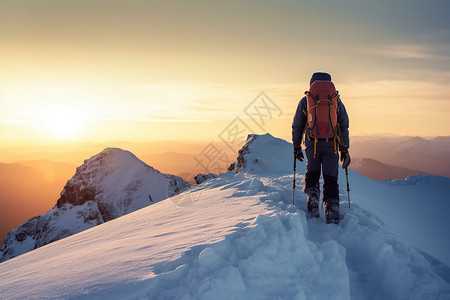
(185, 70)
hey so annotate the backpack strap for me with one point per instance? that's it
(338, 102)
(338, 136)
(315, 146)
(335, 148)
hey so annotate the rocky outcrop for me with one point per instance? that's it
(240, 162)
(200, 178)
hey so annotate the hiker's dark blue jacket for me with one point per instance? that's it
(299, 124)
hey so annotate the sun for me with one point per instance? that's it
(62, 122)
(52, 109)
(64, 127)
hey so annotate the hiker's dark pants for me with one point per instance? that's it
(325, 160)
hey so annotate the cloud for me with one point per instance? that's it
(415, 51)
(177, 102)
(18, 121)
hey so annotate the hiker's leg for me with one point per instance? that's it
(330, 185)
(313, 168)
(312, 176)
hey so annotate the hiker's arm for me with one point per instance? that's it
(343, 122)
(298, 125)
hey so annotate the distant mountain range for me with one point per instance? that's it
(376, 170)
(29, 188)
(430, 156)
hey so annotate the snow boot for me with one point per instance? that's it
(332, 211)
(312, 195)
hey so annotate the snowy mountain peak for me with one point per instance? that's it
(102, 176)
(262, 153)
(110, 184)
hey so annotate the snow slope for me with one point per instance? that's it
(108, 185)
(239, 237)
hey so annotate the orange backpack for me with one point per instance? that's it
(322, 99)
(322, 103)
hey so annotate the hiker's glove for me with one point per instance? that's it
(345, 157)
(298, 153)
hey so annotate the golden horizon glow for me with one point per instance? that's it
(147, 71)
(49, 115)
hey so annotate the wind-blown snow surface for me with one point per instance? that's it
(239, 237)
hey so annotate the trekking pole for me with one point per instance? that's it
(348, 187)
(293, 182)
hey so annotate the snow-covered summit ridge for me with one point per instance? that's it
(416, 204)
(264, 153)
(110, 184)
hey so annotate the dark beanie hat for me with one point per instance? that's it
(320, 76)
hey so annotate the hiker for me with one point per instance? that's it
(322, 117)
